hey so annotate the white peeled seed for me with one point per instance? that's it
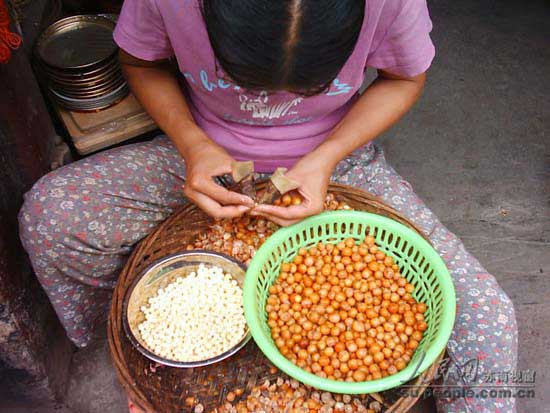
(195, 317)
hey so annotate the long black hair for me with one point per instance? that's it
(294, 45)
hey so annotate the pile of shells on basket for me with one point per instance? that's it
(282, 395)
(241, 237)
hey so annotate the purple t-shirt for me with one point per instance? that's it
(273, 129)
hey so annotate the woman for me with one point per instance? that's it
(272, 81)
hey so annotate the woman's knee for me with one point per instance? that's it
(499, 300)
(46, 212)
(37, 201)
(486, 315)
(72, 213)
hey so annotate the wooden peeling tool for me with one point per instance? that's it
(243, 176)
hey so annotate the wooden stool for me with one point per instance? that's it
(92, 131)
(164, 389)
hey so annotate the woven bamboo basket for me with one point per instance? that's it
(162, 389)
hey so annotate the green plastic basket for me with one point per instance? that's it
(416, 258)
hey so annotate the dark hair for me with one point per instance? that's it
(294, 45)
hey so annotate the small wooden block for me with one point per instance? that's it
(92, 131)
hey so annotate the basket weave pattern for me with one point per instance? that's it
(163, 389)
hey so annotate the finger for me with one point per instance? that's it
(279, 221)
(288, 213)
(214, 209)
(220, 194)
(222, 169)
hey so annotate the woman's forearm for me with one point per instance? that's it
(158, 90)
(382, 104)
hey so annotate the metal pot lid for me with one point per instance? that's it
(89, 93)
(77, 42)
(79, 101)
(84, 75)
(85, 84)
(86, 105)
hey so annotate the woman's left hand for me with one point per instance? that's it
(313, 173)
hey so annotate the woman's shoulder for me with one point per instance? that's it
(386, 9)
(185, 5)
(180, 16)
(383, 16)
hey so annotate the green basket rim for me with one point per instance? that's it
(411, 371)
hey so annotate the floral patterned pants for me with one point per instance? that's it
(80, 223)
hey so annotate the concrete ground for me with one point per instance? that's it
(476, 148)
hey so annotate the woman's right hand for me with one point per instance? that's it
(159, 91)
(204, 161)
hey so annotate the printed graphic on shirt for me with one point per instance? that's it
(260, 108)
(256, 109)
(340, 88)
(337, 88)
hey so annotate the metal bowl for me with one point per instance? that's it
(159, 275)
(77, 43)
(77, 60)
(89, 92)
(91, 104)
(97, 75)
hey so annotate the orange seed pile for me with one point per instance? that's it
(345, 312)
(289, 199)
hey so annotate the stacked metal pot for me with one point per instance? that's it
(77, 58)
